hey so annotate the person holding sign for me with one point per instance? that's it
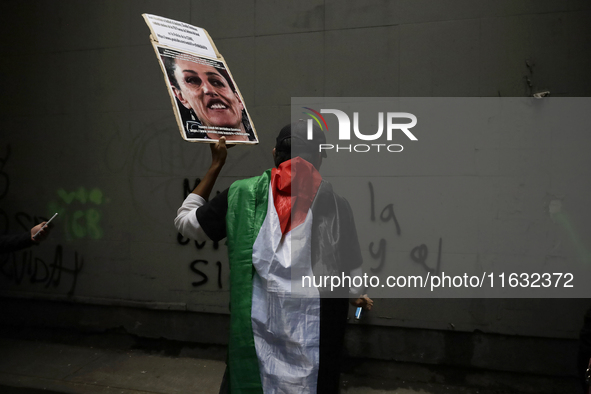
(281, 340)
(208, 93)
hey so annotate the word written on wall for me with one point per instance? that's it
(418, 254)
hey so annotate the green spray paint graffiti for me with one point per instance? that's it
(563, 219)
(559, 216)
(95, 195)
(79, 210)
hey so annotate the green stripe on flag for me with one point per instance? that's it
(247, 209)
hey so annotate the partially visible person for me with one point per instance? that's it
(584, 355)
(12, 243)
(211, 98)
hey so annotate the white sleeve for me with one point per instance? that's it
(356, 292)
(186, 219)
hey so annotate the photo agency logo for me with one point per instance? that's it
(393, 125)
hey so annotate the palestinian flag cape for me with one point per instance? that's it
(286, 218)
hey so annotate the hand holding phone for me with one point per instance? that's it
(41, 230)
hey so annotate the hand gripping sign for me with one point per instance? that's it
(205, 98)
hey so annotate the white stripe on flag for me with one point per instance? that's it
(286, 329)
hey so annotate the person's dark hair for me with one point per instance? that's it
(282, 152)
(170, 66)
(303, 148)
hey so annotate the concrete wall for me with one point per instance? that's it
(88, 130)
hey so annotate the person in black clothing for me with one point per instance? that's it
(584, 356)
(12, 243)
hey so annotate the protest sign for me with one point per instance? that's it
(205, 98)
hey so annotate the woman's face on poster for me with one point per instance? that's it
(207, 92)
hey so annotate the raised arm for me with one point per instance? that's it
(219, 152)
(186, 221)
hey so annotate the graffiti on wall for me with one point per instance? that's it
(26, 267)
(80, 212)
(419, 254)
(16, 267)
(378, 250)
(4, 187)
